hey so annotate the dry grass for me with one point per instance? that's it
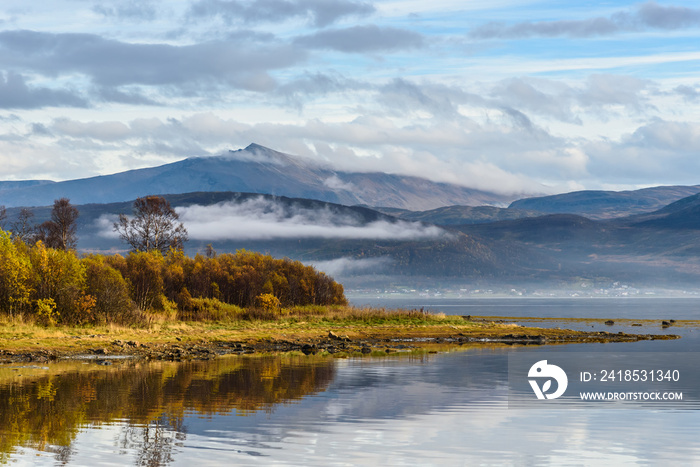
(362, 314)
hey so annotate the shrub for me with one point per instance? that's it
(45, 311)
(267, 302)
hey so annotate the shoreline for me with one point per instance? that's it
(202, 343)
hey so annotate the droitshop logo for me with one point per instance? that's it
(544, 372)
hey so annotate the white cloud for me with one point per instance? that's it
(97, 93)
(263, 219)
(337, 184)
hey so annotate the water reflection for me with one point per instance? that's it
(45, 412)
(443, 409)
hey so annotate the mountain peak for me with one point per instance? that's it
(260, 154)
(252, 147)
(254, 169)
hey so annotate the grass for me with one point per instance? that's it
(22, 334)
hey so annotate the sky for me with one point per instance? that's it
(504, 95)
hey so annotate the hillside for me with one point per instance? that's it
(607, 204)
(368, 242)
(682, 214)
(255, 169)
(460, 215)
(361, 246)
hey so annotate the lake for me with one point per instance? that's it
(434, 409)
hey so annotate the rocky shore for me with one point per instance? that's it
(332, 342)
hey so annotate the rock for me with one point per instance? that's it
(665, 324)
(366, 350)
(333, 335)
(609, 322)
(636, 324)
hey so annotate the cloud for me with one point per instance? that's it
(498, 155)
(600, 94)
(407, 97)
(298, 91)
(133, 10)
(688, 92)
(104, 131)
(111, 63)
(362, 39)
(15, 93)
(264, 219)
(346, 266)
(663, 151)
(110, 94)
(337, 184)
(319, 13)
(649, 15)
(653, 15)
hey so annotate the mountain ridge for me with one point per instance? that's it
(600, 204)
(256, 169)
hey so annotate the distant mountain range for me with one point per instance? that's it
(263, 200)
(659, 247)
(255, 169)
(606, 204)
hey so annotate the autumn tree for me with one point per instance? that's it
(144, 272)
(60, 231)
(154, 226)
(110, 289)
(15, 276)
(60, 276)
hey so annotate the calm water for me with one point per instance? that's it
(440, 409)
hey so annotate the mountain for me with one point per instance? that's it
(607, 204)
(366, 247)
(13, 185)
(681, 214)
(255, 169)
(459, 215)
(370, 243)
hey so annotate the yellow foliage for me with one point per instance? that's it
(267, 302)
(15, 273)
(46, 310)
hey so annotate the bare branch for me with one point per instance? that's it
(154, 226)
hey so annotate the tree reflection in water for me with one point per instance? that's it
(46, 411)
